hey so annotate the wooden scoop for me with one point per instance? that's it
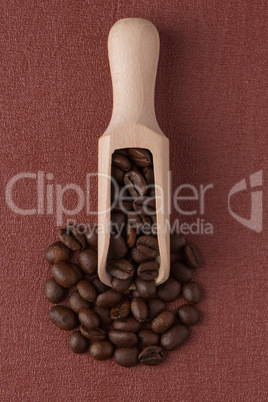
(133, 47)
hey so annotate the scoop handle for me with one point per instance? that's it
(133, 47)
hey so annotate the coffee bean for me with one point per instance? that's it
(100, 287)
(147, 337)
(139, 309)
(54, 292)
(135, 183)
(94, 334)
(109, 298)
(121, 151)
(148, 245)
(102, 350)
(181, 272)
(121, 162)
(63, 317)
(191, 292)
(192, 256)
(103, 314)
(169, 290)
(77, 270)
(151, 356)
(86, 290)
(137, 256)
(123, 339)
(88, 318)
(174, 337)
(64, 274)
(91, 235)
(128, 324)
(155, 307)
(117, 174)
(78, 343)
(146, 289)
(88, 260)
(163, 322)
(117, 248)
(141, 157)
(77, 303)
(57, 252)
(189, 315)
(144, 206)
(121, 285)
(177, 241)
(72, 238)
(148, 270)
(138, 222)
(120, 269)
(126, 357)
(148, 174)
(120, 310)
(118, 221)
(130, 235)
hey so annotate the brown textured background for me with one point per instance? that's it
(211, 99)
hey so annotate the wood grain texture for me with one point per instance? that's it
(211, 102)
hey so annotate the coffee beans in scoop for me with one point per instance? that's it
(132, 327)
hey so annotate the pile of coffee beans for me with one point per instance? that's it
(133, 241)
(132, 326)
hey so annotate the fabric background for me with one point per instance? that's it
(211, 102)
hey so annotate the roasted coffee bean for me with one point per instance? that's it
(78, 343)
(177, 241)
(123, 339)
(192, 256)
(128, 324)
(141, 157)
(109, 298)
(100, 287)
(77, 303)
(121, 161)
(181, 272)
(191, 292)
(77, 270)
(146, 289)
(120, 269)
(88, 260)
(63, 317)
(163, 322)
(117, 174)
(72, 238)
(148, 245)
(151, 356)
(57, 252)
(64, 274)
(121, 151)
(189, 315)
(169, 290)
(94, 334)
(148, 174)
(130, 235)
(103, 314)
(118, 221)
(155, 307)
(91, 235)
(54, 292)
(135, 183)
(148, 270)
(139, 309)
(86, 290)
(137, 221)
(121, 285)
(137, 256)
(147, 337)
(88, 318)
(127, 357)
(174, 337)
(102, 350)
(144, 206)
(135, 293)
(122, 206)
(118, 247)
(120, 310)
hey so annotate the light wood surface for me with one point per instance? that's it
(133, 47)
